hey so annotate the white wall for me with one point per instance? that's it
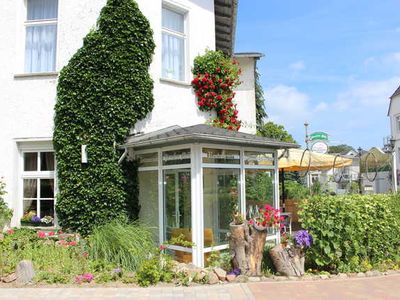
(395, 133)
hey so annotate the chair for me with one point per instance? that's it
(287, 222)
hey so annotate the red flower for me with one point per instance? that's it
(41, 234)
(251, 222)
(163, 247)
(10, 231)
(52, 233)
(219, 97)
(73, 243)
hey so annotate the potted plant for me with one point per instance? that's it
(32, 219)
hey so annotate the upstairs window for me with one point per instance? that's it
(398, 123)
(41, 36)
(173, 44)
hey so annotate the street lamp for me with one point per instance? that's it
(307, 140)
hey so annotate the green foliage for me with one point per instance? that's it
(295, 190)
(103, 90)
(221, 259)
(130, 170)
(180, 240)
(260, 101)
(122, 244)
(277, 132)
(5, 212)
(352, 232)
(267, 265)
(154, 270)
(342, 148)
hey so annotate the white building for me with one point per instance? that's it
(394, 115)
(39, 37)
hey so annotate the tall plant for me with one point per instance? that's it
(5, 212)
(103, 90)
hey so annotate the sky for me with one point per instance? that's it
(333, 64)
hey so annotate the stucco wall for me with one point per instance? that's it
(395, 133)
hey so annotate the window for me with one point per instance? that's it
(173, 44)
(38, 183)
(41, 36)
(398, 123)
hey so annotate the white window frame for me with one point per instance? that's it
(41, 22)
(39, 146)
(184, 12)
(397, 122)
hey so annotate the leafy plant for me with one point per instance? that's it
(103, 90)
(5, 212)
(351, 229)
(295, 190)
(154, 270)
(180, 240)
(123, 244)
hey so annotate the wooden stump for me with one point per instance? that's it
(288, 261)
(247, 247)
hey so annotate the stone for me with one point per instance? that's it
(230, 277)
(212, 278)
(280, 278)
(342, 276)
(220, 273)
(361, 274)
(324, 277)
(376, 273)
(307, 277)
(254, 279)
(293, 278)
(9, 278)
(25, 272)
(241, 278)
(391, 272)
(369, 274)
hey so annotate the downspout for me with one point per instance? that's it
(120, 160)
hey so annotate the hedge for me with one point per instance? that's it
(103, 90)
(353, 229)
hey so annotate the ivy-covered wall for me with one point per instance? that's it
(102, 92)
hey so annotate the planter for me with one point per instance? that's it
(37, 224)
(288, 261)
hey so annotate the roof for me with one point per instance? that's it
(225, 24)
(396, 93)
(202, 133)
(256, 55)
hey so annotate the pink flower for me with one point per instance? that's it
(41, 234)
(73, 243)
(251, 222)
(52, 233)
(10, 231)
(163, 247)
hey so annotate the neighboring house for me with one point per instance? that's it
(38, 39)
(394, 116)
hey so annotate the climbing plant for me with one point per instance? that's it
(215, 77)
(103, 90)
(261, 114)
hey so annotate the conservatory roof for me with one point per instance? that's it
(202, 133)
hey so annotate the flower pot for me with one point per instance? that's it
(260, 227)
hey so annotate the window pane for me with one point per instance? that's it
(47, 161)
(259, 189)
(221, 199)
(258, 158)
(46, 208)
(30, 161)
(148, 200)
(173, 57)
(30, 188)
(176, 157)
(42, 9)
(177, 208)
(46, 188)
(30, 206)
(40, 48)
(220, 156)
(148, 159)
(172, 20)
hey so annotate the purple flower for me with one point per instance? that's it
(35, 219)
(117, 271)
(303, 239)
(235, 272)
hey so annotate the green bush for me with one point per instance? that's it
(102, 91)
(5, 212)
(353, 231)
(127, 245)
(295, 190)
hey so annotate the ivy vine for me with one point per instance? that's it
(103, 90)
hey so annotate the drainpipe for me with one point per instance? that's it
(123, 156)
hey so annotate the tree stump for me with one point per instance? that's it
(247, 247)
(288, 261)
(24, 272)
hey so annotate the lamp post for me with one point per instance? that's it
(359, 174)
(307, 140)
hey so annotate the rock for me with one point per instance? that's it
(9, 278)
(241, 278)
(324, 277)
(293, 278)
(254, 279)
(376, 273)
(220, 273)
(361, 274)
(369, 274)
(230, 277)
(212, 278)
(25, 272)
(342, 276)
(391, 272)
(280, 278)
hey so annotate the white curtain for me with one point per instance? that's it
(173, 55)
(42, 9)
(172, 20)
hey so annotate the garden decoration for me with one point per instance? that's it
(215, 77)
(288, 257)
(247, 240)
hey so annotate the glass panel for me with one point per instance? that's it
(30, 161)
(42, 9)
(172, 20)
(220, 156)
(47, 161)
(258, 158)
(148, 159)
(40, 48)
(46, 208)
(259, 189)
(177, 204)
(148, 200)
(176, 157)
(173, 57)
(30, 188)
(46, 188)
(30, 206)
(221, 200)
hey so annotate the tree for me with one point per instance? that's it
(277, 132)
(342, 148)
(103, 90)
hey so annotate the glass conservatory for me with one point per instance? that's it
(192, 180)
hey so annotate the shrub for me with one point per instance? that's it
(5, 212)
(352, 230)
(102, 91)
(126, 245)
(156, 269)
